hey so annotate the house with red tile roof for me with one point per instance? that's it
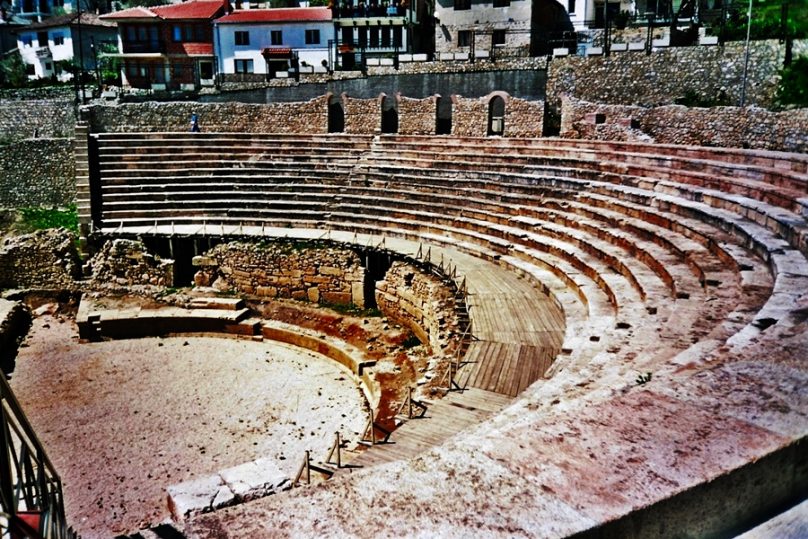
(168, 47)
(259, 44)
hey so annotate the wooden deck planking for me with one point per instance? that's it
(445, 418)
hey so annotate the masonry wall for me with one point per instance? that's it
(284, 270)
(44, 259)
(731, 127)
(417, 116)
(37, 172)
(123, 262)
(419, 301)
(362, 116)
(669, 73)
(522, 118)
(301, 117)
(47, 118)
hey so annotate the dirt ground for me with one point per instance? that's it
(122, 420)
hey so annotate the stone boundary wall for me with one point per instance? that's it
(284, 270)
(126, 263)
(300, 117)
(730, 127)
(669, 73)
(25, 119)
(44, 259)
(362, 116)
(37, 172)
(469, 116)
(419, 301)
(417, 116)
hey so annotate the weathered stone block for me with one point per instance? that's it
(197, 496)
(255, 479)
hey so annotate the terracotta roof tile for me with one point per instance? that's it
(202, 9)
(277, 15)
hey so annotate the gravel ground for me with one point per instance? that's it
(122, 420)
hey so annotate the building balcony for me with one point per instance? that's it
(372, 16)
(42, 52)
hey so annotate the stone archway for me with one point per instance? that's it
(336, 115)
(496, 116)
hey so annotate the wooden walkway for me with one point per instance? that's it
(444, 418)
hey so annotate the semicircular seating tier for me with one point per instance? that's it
(588, 266)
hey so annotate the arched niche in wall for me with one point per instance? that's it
(496, 113)
(336, 114)
(389, 108)
(443, 115)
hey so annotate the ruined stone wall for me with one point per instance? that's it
(125, 262)
(301, 117)
(23, 119)
(362, 116)
(523, 118)
(44, 259)
(419, 301)
(284, 270)
(417, 116)
(469, 117)
(37, 172)
(669, 73)
(731, 127)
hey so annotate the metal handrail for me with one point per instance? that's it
(29, 482)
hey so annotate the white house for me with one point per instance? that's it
(45, 46)
(257, 44)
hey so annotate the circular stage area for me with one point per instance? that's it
(125, 419)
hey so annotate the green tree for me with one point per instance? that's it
(12, 70)
(767, 20)
(793, 89)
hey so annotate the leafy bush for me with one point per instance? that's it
(43, 218)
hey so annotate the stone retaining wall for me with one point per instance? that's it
(419, 301)
(127, 262)
(731, 127)
(44, 259)
(51, 118)
(301, 117)
(37, 172)
(669, 73)
(284, 270)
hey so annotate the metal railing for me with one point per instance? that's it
(31, 501)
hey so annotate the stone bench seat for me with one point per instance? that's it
(760, 159)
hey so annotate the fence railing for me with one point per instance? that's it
(31, 501)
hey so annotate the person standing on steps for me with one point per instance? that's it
(194, 123)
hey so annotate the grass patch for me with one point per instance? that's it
(353, 310)
(32, 219)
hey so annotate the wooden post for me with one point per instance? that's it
(409, 402)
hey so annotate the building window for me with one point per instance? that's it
(58, 39)
(312, 37)
(206, 70)
(464, 38)
(243, 66)
(242, 38)
(276, 37)
(42, 38)
(498, 37)
(502, 3)
(571, 6)
(48, 66)
(460, 5)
